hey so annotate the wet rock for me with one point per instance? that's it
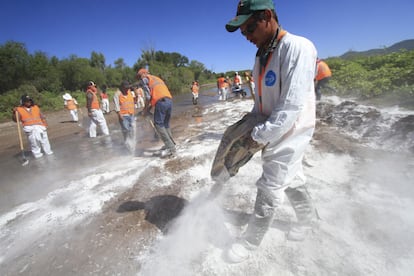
(370, 125)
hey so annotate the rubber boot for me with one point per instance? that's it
(169, 144)
(259, 223)
(261, 219)
(170, 134)
(305, 213)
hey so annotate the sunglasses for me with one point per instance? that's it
(250, 28)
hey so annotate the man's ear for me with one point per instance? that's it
(267, 15)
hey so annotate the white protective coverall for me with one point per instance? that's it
(38, 139)
(96, 116)
(73, 112)
(97, 119)
(285, 93)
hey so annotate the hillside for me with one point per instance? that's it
(405, 44)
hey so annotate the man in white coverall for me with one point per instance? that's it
(95, 114)
(34, 125)
(72, 105)
(284, 71)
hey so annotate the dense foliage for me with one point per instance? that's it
(372, 76)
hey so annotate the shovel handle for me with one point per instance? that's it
(19, 131)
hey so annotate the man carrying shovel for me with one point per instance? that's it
(158, 95)
(34, 125)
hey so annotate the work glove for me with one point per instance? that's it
(251, 143)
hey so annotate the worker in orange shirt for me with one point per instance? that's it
(322, 78)
(222, 88)
(104, 100)
(71, 104)
(34, 125)
(195, 87)
(96, 117)
(158, 95)
(237, 81)
(250, 80)
(125, 108)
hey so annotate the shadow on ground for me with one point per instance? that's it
(160, 210)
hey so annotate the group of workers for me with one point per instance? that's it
(225, 85)
(287, 82)
(323, 75)
(151, 92)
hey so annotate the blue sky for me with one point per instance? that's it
(195, 29)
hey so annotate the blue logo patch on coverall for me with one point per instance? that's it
(270, 78)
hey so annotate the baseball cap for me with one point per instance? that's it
(245, 10)
(141, 72)
(125, 84)
(25, 98)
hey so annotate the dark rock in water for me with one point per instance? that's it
(369, 125)
(404, 126)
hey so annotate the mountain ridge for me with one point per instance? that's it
(407, 44)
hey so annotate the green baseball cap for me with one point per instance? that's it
(245, 10)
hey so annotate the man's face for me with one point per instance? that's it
(140, 76)
(254, 30)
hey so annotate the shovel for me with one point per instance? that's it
(25, 161)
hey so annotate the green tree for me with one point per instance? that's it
(198, 68)
(120, 63)
(76, 72)
(97, 61)
(14, 60)
(42, 73)
(113, 77)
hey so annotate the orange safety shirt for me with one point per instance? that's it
(126, 103)
(70, 104)
(323, 70)
(236, 80)
(195, 88)
(30, 117)
(95, 101)
(158, 89)
(221, 83)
